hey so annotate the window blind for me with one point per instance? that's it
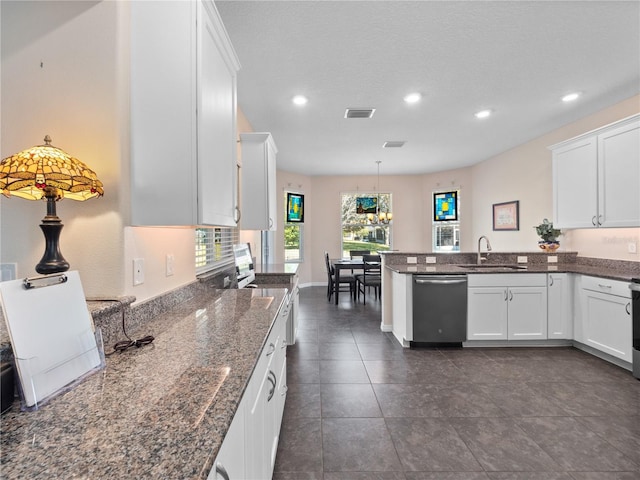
(214, 248)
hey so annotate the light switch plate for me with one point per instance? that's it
(431, 259)
(552, 259)
(412, 259)
(522, 259)
(170, 260)
(8, 271)
(631, 247)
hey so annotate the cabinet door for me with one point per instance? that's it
(487, 313)
(527, 313)
(216, 87)
(229, 463)
(607, 323)
(575, 180)
(619, 176)
(163, 113)
(559, 306)
(257, 454)
(259, 199)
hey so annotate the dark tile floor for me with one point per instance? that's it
(360, 407)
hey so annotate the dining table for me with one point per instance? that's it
(346, 264)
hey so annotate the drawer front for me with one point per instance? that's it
(507, 280)
(602, 285)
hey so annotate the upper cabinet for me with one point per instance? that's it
(183, 115)
(596, 178)
(259, 200)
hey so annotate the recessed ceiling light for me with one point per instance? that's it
(300, 100)
(413, 97)
(571, 97)
(483, 113)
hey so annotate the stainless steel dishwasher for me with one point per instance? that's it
(439, 310)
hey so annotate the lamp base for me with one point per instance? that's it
(52, 261)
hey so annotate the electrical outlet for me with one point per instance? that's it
(169, 264)
(431, 259)
(8, 271)
(412, 259)
(631, 247)
(138, 271)
(522, 259)
(552, 259)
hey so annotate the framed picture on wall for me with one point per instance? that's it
(445, 206)
(295, 207)
(506, 215)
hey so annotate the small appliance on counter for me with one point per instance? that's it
(635, 332)
(244, 264)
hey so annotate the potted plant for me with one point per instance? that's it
(549, 236)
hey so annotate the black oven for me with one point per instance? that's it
(635, 309)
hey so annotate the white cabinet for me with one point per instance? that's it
(596, 178)
(216, 87)
(560, 306)
(182, 115)
(259, 198)
(606, 316)
(507, 307)
(266, 396)
(402, 307)
(229, 464)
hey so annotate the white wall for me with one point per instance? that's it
(60, 67)
(65, 70)
(524, 174)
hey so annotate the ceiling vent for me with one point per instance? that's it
(393, 144)
(359, 112)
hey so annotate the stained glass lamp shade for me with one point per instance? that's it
(46, 171)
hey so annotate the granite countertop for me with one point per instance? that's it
(276, 269)
(159, 411)
(617, 273)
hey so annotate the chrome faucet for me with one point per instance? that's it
(480, 258)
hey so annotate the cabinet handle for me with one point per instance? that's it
(593, 220)
(599, 219)
(626, 307)
(602, 285)
(270, 223)
(550, 281)
(505, 296)
(284, 345)
(510, 295)
(239, 213)
(274, 381)
(220, 470)
(284, 390)
(272, 348)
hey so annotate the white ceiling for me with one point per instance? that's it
(515, 57)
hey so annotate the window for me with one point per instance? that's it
(446, 233)
(361, 228)
(293, 234)
(293, 227)
(214, 248)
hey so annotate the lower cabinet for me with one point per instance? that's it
(250, 446)
(507, 307)
(605, 320)
(230, 462)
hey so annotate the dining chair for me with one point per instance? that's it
(371, 277)
(346, 280)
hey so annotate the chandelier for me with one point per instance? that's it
(380, 217)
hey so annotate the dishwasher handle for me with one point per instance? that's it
(440, 281)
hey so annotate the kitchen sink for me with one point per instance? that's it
(488, 267)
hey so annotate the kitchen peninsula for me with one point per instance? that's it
(159, 411)
(523, 299)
